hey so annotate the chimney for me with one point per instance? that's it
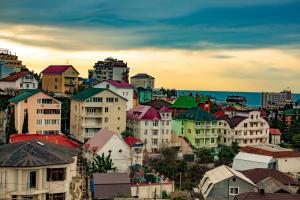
(261, 191)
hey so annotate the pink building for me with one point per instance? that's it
(41, 110)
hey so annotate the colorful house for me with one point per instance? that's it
(275, 136)
(151, 126)
(19, 81)
(184, 103)
(144, 94)
(60, 79)
(42, 111)
(94, 109)
(199, 127)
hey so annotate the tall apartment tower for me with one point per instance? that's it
(109, 69)
(273, 100)
(9, 63)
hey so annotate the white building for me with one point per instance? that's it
(121, 88)
(271, 100)
(142, 80)
(151, 126)
(224, 183)
(287, 160)
(18, 81)
(110, 143)
(243, 127)
(39, 170)
(244, 161)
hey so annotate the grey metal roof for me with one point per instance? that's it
(35, 153)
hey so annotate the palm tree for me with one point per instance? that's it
(101, 164)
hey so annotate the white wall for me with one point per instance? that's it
(147, 191)
(289, 165)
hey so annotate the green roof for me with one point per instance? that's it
(24, 95)
(87, 93)
(196, 114)
(188, 102)
(292, 112)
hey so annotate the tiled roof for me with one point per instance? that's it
(143, 112)
(165, 109)
(158, 103)
(96, 143)
(108, 185)
(275, 154)
(55, 139)
(219, 114)
(142, 75)
(15, 76)
(196, 114)
(119, 84)
(131, 141)
(267, 196)
(259, 174)
(57, 69)
(234, 121)
(188, 102)
(34, 153)
(24, 95)
(87, 93)
(275, 131)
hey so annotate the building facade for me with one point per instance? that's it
(151, 126)
(144, 95)
(244, 128)
(43, 112)
(142, 80)
(109, 69)
(274, 100)
(23, 80)
(9, 63)
(94, 109)
(121, 88)
(62, 80)
(200, 128)
(48, 174)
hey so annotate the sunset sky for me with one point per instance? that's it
(231, 45)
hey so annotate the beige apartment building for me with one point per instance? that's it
(42, 110)
(94, 109)
(142, 80)
(244, 127)
(39, 170)
(62, 80)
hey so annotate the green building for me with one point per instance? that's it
(145, 94)
(199, 127)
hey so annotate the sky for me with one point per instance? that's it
(229, 45)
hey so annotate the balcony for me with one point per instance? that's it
(93, 114)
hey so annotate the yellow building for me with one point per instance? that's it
(41, 110)
(60, 79)
(94, 109)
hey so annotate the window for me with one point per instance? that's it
(224, 140)
(146, 123)
(155, 123)
(110, 100)
(155, 132)
(21, 84)
(56, 174)
(212, 140)
(39, 121)
(116, 99)
(163, 131)
(97, 99)
(167, 131)
(145, 132)
(106, 109)
(25, 101)
(50, 132)
(168, 123)
(189, 130)
(32, 179)
(44, 101)
(154, 141)
(106, 119)
(56, 196)
(162, 123)
(233, 190)
(245, 125)
(55, 87)
(55, 79)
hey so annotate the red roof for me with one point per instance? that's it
(275, 131)
(119, 84)
(15, 76)
(57, 69)
(143, 112)
(219, 113)
(275, 154)
(55, 139)
(165, 109)
(131, 141)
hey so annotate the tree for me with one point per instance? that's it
(101, 164)
(226, 155)
(25, 123)
(11, 126)
(204, 155)
(126, 134)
